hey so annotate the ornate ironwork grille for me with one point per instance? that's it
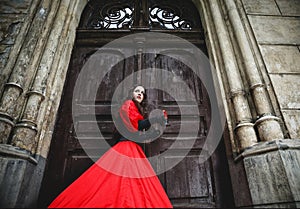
(141, 14)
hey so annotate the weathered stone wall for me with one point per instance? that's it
(246, 48)
(37, 38)
(276, 27)
(265, 175)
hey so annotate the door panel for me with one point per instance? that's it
(189, 183)
(196, 180)
(86, 140)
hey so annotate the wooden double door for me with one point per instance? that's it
(191, 183)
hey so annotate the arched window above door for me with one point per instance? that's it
(140, 14)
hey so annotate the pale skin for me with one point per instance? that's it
(138, 94)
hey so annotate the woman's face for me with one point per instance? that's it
(138, 94)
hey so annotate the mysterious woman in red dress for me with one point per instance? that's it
(123, 176)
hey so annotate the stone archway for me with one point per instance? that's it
(30, 100)
(65, 147)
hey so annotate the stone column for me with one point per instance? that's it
(24, 134)
(12, 98)
(267, 125)
(21, 173)
(244, 128)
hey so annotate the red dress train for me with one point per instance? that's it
(121, 178)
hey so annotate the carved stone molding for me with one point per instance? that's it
(271, 128)
(15, 152)
(245, 132)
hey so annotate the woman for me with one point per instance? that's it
(122, 177)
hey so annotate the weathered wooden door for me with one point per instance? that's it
(191, 183)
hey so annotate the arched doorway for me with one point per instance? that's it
(189, 184)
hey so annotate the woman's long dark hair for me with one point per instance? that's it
(142, 107)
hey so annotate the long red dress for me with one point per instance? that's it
(121, 178)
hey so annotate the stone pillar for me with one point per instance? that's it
(25, 130)
(267, 125)
(12, 99)
(22, 161)
(244, 128)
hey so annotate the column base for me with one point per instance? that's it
(272, 171)
(269, 128)
(16, 152)
(246, 135)
(20, 178)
